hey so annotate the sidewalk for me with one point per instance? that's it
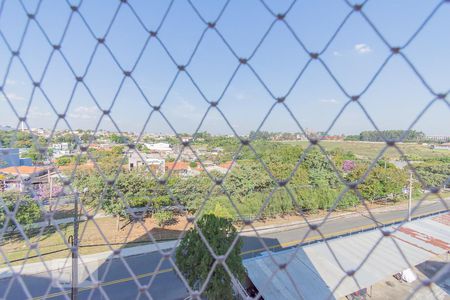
(57, 266)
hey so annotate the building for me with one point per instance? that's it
(159, 147)
(18, 178)
(317, 270)
(437, 138)
(144, 161)
(61, 149)
(10, 157)
(180, 168)
(444, 146)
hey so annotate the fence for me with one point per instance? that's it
(81, 63)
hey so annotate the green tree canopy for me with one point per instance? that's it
(26, 209)
(195, 261)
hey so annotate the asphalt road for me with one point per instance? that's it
(119, 280)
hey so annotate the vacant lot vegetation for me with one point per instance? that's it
(370, 150)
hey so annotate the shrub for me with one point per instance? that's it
(64, 161)
(163, 217)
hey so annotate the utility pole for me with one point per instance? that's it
(410, 195)
(74, 289)
(50, 182)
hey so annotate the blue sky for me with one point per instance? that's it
(393, 101)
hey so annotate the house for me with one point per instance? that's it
(178, 168)
(61, 149)
(216, 151)
(10, 157)
(18, 178)
(144, 161)
(159, 147)
(221, 168)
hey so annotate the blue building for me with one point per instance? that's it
(10, 157)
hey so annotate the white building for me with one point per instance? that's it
(61, 149)
(145, 161)
(445, 146)
(159, 147)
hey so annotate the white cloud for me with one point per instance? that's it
(14, 97)
(331, 100)
(362, 48)
(337, 53)
(85, 112)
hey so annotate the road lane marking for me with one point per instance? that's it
(281, 245)
(107, 283)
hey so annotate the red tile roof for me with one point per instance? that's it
(177, 166)
(23, 170)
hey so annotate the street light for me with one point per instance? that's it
(410, 195)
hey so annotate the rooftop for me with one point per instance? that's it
(23, 170)
(177, 166)
(314, 272)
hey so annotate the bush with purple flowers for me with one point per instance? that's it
(43, 191)
(348, 166)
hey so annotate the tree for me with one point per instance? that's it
(249, 177)
(118, 139)
(380, 183)
(377, 136)
(195, 261)
(26, 209)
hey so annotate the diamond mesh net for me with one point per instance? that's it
(84, 48)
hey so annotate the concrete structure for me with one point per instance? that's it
(10, 157)
(320, 270)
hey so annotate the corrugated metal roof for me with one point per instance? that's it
(318, 270)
